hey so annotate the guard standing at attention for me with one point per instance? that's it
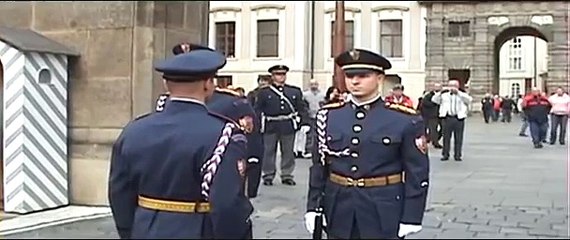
(230, 104)
(370, 168)
(283, 111)
(180, 174)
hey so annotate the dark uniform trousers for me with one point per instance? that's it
(354, 233)
(311, 135)
(286, 143)
(453, 126)
(434, 134)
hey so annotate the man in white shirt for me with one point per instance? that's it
(453, 109)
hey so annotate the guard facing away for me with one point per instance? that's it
(370, 165)
(231, 105)
(283, 111)
(180, 174)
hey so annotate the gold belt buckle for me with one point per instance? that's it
(355, 183)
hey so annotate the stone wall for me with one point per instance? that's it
(476, 52)
(113, 81)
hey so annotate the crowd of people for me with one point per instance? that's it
(537, 110)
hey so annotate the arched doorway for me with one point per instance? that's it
(462, 36)
(520, 57)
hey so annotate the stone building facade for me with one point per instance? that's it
(302, 40)
(113, 79)
(463, 38)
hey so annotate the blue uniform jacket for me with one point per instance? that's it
(235, 108)
(269, 104)
(369, 141)
(240, 110)
(160, 156)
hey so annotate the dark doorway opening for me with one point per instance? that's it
(527, 85)
(461, 75)
(505, 36)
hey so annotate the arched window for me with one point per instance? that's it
(515, 54)
(44, 76)
(515, 89)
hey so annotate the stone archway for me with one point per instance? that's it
(483, 24)
(506, 33)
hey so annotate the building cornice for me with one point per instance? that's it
(267, 6)
(225, 9)
(346, 9)
(385, 8)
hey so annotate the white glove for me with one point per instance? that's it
(310, 221)
(406, 229)
(253, 160)
(305, 129)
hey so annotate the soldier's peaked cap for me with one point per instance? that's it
(278, 68)
(187, 47)
(192, 66)
(362, 61)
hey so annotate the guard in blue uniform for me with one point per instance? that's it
(370, 166)
(282, 111)
(180, 174)
(230, 104)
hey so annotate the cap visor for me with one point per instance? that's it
(359, 71)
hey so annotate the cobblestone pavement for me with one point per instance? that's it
(503, 189)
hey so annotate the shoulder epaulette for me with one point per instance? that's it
(401, 108)
(141, 116)
(228, 91)
(333, 105)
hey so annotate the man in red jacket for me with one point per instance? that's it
(398, 97)
(536, 108)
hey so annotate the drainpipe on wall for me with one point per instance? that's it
(535, 65)
(312, 45)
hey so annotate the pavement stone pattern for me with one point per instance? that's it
(503, 189)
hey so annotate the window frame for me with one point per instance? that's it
(346, 37)
(515, 54)
(391, 36)
(275, 33)
(226, 38)
(463, 29)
